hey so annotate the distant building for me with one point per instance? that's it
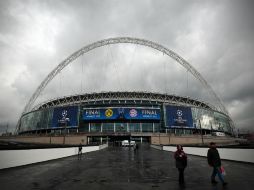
(247, 135)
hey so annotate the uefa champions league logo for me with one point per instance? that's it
(179, 113)
(64, 118)
(179, 120)
(64, 113)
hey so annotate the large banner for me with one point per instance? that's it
(121, 113)
(178, 116)
(65, 117)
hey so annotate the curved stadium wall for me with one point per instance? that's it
(125, 112)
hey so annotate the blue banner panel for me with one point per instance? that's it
(99, 113)
(178, 116)
(142, 113)
(65, 117)
(121, 113)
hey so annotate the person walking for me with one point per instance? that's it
(181, 162)
(135, 147)
(79, 151)
(214, 161)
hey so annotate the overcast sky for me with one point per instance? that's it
(216, 37)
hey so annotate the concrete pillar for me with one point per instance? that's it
(114, 127)
(101, 127)
(141, 127)
(141, 140)
(89, 127)
(153, 127)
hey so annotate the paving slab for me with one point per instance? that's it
(120, 168)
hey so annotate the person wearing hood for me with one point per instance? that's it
(181, 162)
(214, 161)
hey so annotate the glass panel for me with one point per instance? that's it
(108, 127)
(94, 140)
(147, 127)
(121, 127)
(104, 140)
(36, 120)
(202, 118)
(188, 132)
(95, 127)
(157, 127)
(179, 131)
(211, 120)
(84, 127)
(73, 130)
(222, 122)
(134, 127)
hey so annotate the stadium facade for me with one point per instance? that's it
(135, 115)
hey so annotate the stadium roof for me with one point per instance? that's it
(122, 97)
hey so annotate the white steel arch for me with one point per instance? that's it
(118, 40)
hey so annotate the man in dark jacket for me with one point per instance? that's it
(79, 151)
(214, 161)
(181, 162)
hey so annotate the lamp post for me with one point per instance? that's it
(201, 131)
(211, 127)
(160, 137)
(7, 126)
(65, 126)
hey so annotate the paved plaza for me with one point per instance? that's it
(117, 168)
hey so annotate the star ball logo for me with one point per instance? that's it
(180, 120)
(133, 113)
(64, 118)
(64, 113)
(109, 113)
(179, 113)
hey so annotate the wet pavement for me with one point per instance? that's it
(117, 168)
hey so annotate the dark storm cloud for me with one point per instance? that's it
(216, 37)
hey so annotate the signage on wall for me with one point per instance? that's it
(178, 116)
(65, 117)
(121, 113)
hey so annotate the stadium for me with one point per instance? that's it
(126, 115)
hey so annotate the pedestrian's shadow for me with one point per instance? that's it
(181, 186)
(215, 187)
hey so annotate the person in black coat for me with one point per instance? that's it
(214, 161)
(79, 151)
(181, 162)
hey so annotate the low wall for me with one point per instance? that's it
(158, 147)
(13, 158)
(68, 139)
(167, 139)
(234, 154)
(103, 146)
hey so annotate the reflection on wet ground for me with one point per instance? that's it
(122, 168)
